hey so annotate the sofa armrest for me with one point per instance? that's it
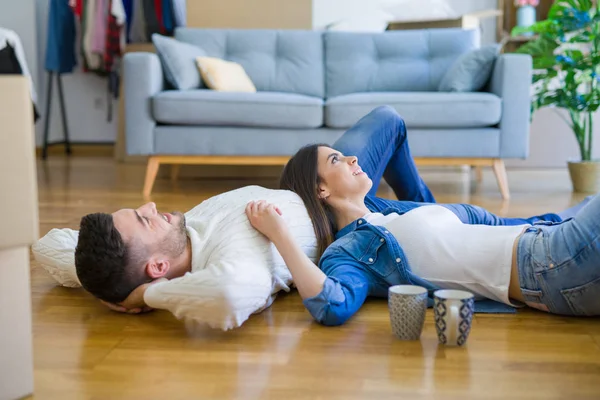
(511, 80)
(143, 78)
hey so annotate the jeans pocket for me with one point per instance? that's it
(585, 299)
(534, 299)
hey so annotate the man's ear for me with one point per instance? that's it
(157, 268)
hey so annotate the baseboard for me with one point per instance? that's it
(79, 150)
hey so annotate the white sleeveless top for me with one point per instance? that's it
(453, 255)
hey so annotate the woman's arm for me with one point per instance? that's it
(309, 279)
(332, 299)
(266, 218)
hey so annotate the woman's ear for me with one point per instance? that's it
(323, 192)
(157, 268)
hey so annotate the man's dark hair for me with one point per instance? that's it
(105, 264)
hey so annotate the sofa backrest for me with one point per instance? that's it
(399, 61)
(276, 60)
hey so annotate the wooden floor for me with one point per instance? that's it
(84, 351)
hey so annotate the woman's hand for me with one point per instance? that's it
(266, 218)
(134, 303)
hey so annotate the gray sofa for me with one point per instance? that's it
(313, 85)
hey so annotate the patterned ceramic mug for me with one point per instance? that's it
(453, 311)
(407, 304)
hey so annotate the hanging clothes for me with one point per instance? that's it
(92, 59)
(112, 41)
(77, 7)
(158, 5)
(179, 12)
(60, 44)
(128, 6)
(167, 13)
(152, 22)
(100, 25)
(10, 38)
(138, 27)
(114, 36)
(117, 10)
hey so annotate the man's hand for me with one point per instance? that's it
(134, 303)
(266, 218)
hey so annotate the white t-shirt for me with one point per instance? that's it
(452, 255)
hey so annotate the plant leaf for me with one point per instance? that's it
(540, 47)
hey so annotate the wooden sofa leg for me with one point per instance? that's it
(478, 173)
(151, 171)
(175, 171)
(501, 177)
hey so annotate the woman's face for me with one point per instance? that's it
(341, 176)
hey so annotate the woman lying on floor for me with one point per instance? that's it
(367, 244)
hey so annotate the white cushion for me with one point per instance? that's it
(56, 253)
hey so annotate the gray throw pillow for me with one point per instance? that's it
(178, 60)
(471, 71)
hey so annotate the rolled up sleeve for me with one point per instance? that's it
(344, 292)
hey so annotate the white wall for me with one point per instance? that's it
(326, 12)
(552, 142)
(365, 11)
(85, 96)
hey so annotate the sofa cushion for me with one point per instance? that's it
(288, 61)
(419, 110)
(394, 61)
(471, 71)
(178, 60)
(224, 76)
(261, 109)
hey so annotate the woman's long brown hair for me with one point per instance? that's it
(301, 176)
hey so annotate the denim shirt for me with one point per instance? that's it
(365, 260)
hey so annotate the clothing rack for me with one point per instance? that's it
(97, 31)
(63, 111)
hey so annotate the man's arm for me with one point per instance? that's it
(222, 295)
(134, 303)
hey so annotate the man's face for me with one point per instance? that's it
(163, 235)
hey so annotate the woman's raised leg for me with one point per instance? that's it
(379, 140)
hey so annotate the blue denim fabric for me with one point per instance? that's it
(365, 260)
(559, 264)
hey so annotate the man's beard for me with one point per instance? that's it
(176, 242)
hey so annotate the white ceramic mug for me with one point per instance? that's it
(453, 311)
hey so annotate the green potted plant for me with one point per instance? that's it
(566, 57)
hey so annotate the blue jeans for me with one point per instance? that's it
(559, 264)
(379, 141)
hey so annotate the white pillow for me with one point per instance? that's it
(56, 253)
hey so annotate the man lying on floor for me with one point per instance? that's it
(210, 265)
